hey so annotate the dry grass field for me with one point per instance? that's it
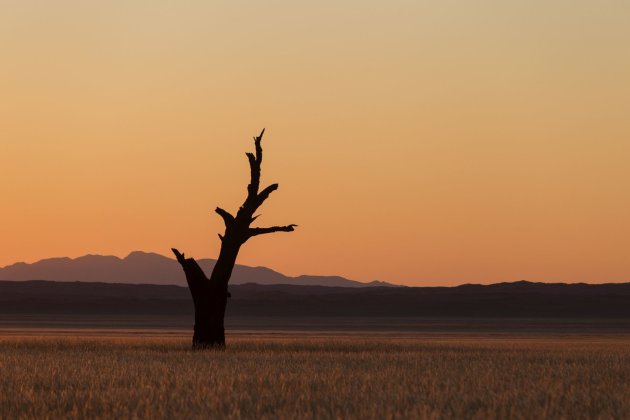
(314, 376)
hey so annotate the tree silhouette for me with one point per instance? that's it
(210, 294)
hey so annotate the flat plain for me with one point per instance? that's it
(154, 374)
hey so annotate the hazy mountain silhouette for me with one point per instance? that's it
(150, 268)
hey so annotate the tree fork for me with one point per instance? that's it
(210, 294)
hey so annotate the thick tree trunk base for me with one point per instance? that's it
(210, 299)
(208, 336)
(208, 340)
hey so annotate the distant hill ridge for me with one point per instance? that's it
(523, 300)
(151, 268)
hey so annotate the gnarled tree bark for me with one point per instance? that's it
(210, 294)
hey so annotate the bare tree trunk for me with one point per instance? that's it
(209, 300)
(210, 294)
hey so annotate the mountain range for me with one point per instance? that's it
(150, 268)
(522, 300)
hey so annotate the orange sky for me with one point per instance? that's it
(424, 143)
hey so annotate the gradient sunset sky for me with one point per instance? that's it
(418, 142)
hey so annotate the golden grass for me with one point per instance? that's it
(314, 377)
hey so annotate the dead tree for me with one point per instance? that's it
(210, 294)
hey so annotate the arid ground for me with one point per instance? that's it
(154, 374)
